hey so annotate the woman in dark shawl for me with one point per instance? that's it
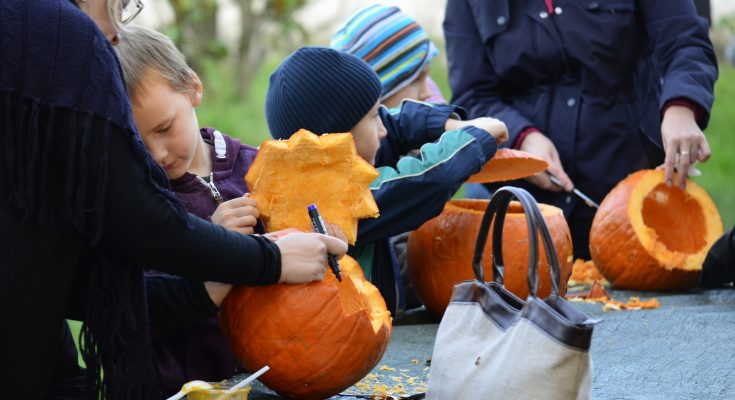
(83, 207)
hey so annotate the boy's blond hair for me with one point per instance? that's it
(142, 50)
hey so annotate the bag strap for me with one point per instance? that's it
(551, 257)
(498, 206)
(497, 209)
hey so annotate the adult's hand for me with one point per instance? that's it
(539, 145)
(239, 214)
(304, 256)
(277, 235)
(683, 142)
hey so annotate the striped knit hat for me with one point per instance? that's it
(391, 42)
(319, 89)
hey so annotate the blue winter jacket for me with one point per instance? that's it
(411, 190)
(593, 76)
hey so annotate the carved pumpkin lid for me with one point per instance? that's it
(509, 164)
(289, 175)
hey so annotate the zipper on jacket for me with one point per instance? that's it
(212, 188)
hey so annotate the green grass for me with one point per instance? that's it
(718, 173)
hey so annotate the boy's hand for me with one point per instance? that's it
(239, 215)
(217, 291)
(494, 127)
(304, 256)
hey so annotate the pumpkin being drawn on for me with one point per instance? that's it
(440, 251)
(318, 338)
(647, 236)
(321, 337)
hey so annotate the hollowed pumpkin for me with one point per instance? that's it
(440, 251)
(509, 164)
(647, 236)
(289, 175)
(318, 338)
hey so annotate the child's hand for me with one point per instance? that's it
(239, 215)
(217, 291)
(494, 127)
(304, 256)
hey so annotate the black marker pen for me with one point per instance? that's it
(318, 223)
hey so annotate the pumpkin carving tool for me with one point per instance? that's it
(247, 380)
(576, 191)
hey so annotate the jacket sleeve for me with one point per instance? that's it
(474, 83)
(683, 50)
(175, 302)
(417, 189)
(143, 228)
(410, 126)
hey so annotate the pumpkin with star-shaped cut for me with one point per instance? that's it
(318, 338)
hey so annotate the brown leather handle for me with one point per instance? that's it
(497, 209)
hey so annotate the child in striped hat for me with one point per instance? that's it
(396, 47)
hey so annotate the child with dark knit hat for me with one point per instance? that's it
(327, 91)
(396, 47)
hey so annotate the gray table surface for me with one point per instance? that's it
(683, 350)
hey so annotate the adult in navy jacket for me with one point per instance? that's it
(598, 88)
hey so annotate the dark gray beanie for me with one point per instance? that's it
(319, 89)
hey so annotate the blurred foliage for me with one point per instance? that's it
(194, 30)
(718, 173)
(264, 25)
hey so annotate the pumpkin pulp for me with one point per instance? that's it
(681, 230)
(675, 227)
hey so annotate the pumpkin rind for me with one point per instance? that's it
(289, 175)
(440, 251)
(633, 255)
(507, 165)
(317, 338)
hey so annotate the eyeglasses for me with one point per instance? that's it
(129, 13)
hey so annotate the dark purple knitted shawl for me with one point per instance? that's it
(54, 59)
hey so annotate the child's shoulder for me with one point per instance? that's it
(229, 148)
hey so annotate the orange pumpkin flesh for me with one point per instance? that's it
(647, 236)
(318, 338)
(289, 175)
(509, 164)
(585, 273)
(440, 251)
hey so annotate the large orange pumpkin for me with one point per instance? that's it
(647, 236)
(318, 338)
(440, 251)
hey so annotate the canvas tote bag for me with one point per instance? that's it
(492, 345)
